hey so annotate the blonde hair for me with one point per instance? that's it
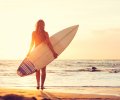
(40, 29)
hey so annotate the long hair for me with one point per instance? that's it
(40, 29)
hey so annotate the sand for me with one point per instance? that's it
(81, 93)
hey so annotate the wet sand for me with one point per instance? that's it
(81, 93)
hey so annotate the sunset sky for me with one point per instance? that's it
(98, 36)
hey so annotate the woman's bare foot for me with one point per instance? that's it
(38, 87)
(42, 87)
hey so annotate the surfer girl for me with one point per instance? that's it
(39, 36)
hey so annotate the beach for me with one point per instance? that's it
(83, 93)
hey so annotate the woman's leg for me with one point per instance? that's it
(38, 78)
(43, 76)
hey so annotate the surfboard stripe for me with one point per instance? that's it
(21, 71)
(26, 67)
(30, 64)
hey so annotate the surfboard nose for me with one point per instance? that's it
(76, 26)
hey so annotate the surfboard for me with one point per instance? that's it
(42, 55)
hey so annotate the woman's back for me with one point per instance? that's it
(38, 37)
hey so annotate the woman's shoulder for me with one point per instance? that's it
(46, 32)
(33, 33)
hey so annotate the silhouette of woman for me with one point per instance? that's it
(39, 36)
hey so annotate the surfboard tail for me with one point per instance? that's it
(26, 68)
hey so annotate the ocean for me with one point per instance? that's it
(64, 73)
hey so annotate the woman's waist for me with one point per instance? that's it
(38, 43)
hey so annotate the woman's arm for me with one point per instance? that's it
(31, 45)
(50, 45)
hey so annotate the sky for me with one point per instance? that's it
(98, 36)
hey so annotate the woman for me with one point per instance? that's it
(39, 36)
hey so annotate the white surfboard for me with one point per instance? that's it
(42, 55)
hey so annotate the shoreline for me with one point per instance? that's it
(85, 93)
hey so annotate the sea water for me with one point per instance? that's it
(64, 73)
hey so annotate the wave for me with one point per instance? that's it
(96, 70)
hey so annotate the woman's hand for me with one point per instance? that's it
(47, 41)
(55, 54)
